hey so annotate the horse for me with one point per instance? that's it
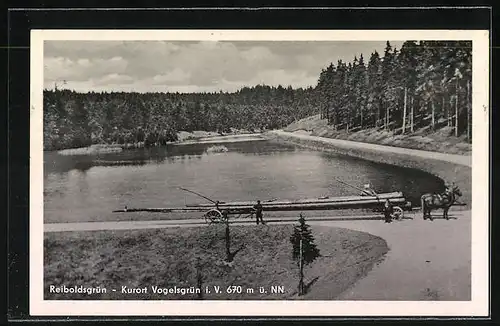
(442, 200)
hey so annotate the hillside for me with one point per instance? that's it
(441, 140)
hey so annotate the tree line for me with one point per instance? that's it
(74, 119)
(422, 85)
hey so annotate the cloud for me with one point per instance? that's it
(192, 66)
(297, 78)
(59, 68)
(174, 77)
(114, 79)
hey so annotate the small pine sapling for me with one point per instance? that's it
(304, 250)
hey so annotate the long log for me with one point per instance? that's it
(350, 185)
(321, 204)
(379, 197)
(198, 194)
(242, 209)
(330, 206)
(162, 210)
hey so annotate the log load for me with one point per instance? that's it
(324, 203)
(394, 197)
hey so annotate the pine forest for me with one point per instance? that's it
(424, 85)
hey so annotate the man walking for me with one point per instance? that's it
(258, 212)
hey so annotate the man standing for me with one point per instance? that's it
(258, 212)
(388, 211)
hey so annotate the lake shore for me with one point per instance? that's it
(141, 259)
(183, 137)
(449, 167)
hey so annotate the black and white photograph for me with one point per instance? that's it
(303, 173)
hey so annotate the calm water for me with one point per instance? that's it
(88, 188)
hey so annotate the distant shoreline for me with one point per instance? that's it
(223, 139)
(196, 137)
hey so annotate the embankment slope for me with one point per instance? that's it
(449, 167)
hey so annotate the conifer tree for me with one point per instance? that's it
(374, 88)
(304, 249)
(408, 62)
(362, 90)
(309, 249)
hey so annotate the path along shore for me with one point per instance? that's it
(426, 260)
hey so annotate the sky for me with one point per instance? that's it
(189, 66)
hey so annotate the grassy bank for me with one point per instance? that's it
(168, 258)
(441, 140)
(92, 150)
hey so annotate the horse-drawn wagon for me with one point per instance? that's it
(442, 201)
(218, 211)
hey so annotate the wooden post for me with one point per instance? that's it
(411, 113)
(228, 240)
(433, 123)
(443, 106)
(361, 113)
(377, 116)
(301, 269)
(387, 117)
(456, 111)
(469, 113)
(199, 278)
(449, 112)
(404, 112)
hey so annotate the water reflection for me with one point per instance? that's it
(88, 188)
(55, 163)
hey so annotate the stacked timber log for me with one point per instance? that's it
(314, 203)
(324, 203)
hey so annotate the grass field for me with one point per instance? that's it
(167, 258)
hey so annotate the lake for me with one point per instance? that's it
(87, 188)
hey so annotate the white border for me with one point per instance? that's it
(479, 304)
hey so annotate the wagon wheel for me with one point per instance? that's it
(213, 216)
(398, 213)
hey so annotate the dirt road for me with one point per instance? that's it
(426, 261)
(158, 224)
